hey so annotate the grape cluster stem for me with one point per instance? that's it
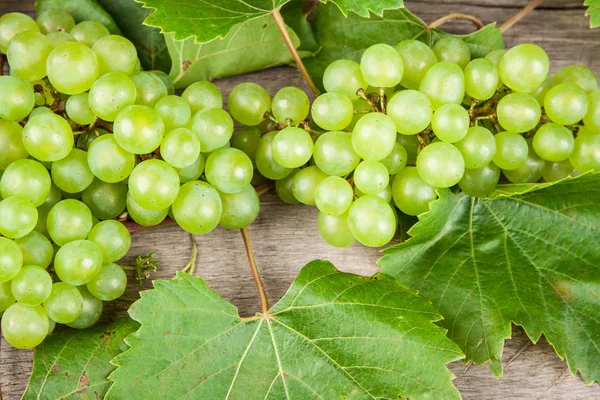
(454, 16)
(518, 16)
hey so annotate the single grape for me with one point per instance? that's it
(109, 284)
(143, 216)
(138, 129)
(55, 20)
(174, 111)
(305, 183)
(110, 94)
(542, 90)
(58, 38)
(198, 208)
(84, 140)
(529, 172)
(180, 148)
(579, 75)
(246, 140)
(11, 143)
(12, 24)
(239, 209)
(334, 154)
(26, 178)
(481, 79)
(27, 54)
(201, 95)
(248, 103)
(453, 50)
(371, 177)
(411, 193)
(511, 150)
(332, 111)
(36, 248)
(343, 77)
(495, 55)
(480, 182)
(592, 118)
(519, 112)
(229, 170)
(396, 160)
(154, 184)
(587, 152)
(292, 147)
(72, 174)
(335, 230)
(6, 297)
(374, 136)
(78, 109)
(444, 83)
(115, 54)
(441, 165)
(69, 220)
(553, 142)
(89, 32)
(24, 327)
(411, 145)
(48, 137)
(450, 123)
(372, 221)
(18, 217)
(283, 187)
(108, 161)
(113, 239)
(381, 66)
(105, 200)
(193, 172)
(417, 58)
(290, 105)
(11, 259)
(149, 88)
(72, 68)
(78, 262)
(64, 304)
(334, 196)
(265, 162)
(478, 148)
(166, 80)
(91, 310)
(17, 98)
(566, 103)
(214, 128)
(555, 171)
(524, 67)
(32, 285)
(411, 111)
(54, 197)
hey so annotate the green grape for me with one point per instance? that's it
(334, 154)
(78, 109)
(333, 195)
(283, 187)
(441, 165)
(72, 68)
(478, 148)
(91, 310)
(165, 79)
(481, 79)
(587, 152)
(193, 172)
(524, 67)
(239, 209)
(11, 143)
(555, 171)
(332, 111)
(450, 123)
(26, 178)
(480, 182)
(374, 136)
(78, 262)
(48, 137)
(265, 163)
(411, 193)
(305, 183)
(55, 20)
(110, 94)
(113, 239)
(89, 32)
(149, 88)
(38, 111)
(36, 248)
(335, 230)
(417, 58)
(201, 95)
(495, 55)
(371, 177)
(529, 172)
(45, 208)
(143, 216)
(84, 140)
(553, 142)
(138, 129)
(11, 259)
(579, 75)
(27, 54)
(25, 327)
(18, 217)
(58, 38)
(6, 297)
(385, 194)
(248, 103)
(115, 54)
(214, 128)
(64, 304)
(396, 160)
(69, 220)
(154, 184)
(381, 66)
(246, 140)
(566, 103)
(343, 77)
(372, 221)
(592, 118)
(180, 148)
(292, 147)
(17, 98)
(542, 90)
(519, 112)
(198, 208)
(453, 50)
(290, 104)
(444, 83)
(174, 111)
(109, 284)
(411, 111)
(72, 174)
(411, 145)
(511, 150)
(108, 161)
(229, 170)
(32, 285)
(12, 24)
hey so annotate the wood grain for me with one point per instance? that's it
(285, 237)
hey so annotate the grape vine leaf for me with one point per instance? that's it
(529, 255)
(75, 364)
(333, 335)
(343, 37)
(82, 10)
(593, 11)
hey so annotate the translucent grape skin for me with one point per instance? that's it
(372, 221)
(72, 174)
(89, 32)
(24, 327)
(332, 111)
(78, 109)
(109, 284)
(36, 248)
(396, 160)
(371, 177)
(248, 103)
(283, 188)
(105, 200)
(265, 163)
(333, 196)
(113, 239)
(587, 152)
(32, 285)
(450, 123)
(72, 68)
(592, 119)
(495, 55)
(77, 262)
(64, 304)
(26, 178)
(334, 154)
(411, 193)
(411, 111)
(580, 75)
(17, 98)
(69, 220)
(566, 103)
(91, 310)
(239, 209)
(292, 147)
(6, 297)
(108, 161)
(480, 182)
(524, 67)
(529, 172)
(138, 129)
(519, 112)
(54, 20)
(305, 183)
(58, 38)
(198, 208)
(555, 171)
(174, 111)
(214, 128)
(115, 53)
(11, 259)
(110, 94)
(540, 92)
(11, 143)
(12, 24)
(411, 145)
(444, 83)
(48, 137)
(18, 217)
(553, 142)
(478, 148)
(180, 148)
(290, 105)
(374, 136)
(154, 184)
(441, 165)
(417, 58)
(27, 54)
(149, 88)
(381, 66)
(201, 95)
(166, 80)
(143, 216)
(193, 172)
(246, 140)
(344, 77)
(335, 230)
(481, 79)
(453, 50)
(229, 170)
(511, 150)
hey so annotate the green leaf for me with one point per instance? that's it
(82, 10)
(347, 38)
(593, 11)
(332, 336)
(295, 15)
(75, 364)
(530, 255)
(363, 8)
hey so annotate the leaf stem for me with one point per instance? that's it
(451, 17)
(518, 16)
(264, 302)
(190, 267)
(290, 45)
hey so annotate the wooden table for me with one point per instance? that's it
(285, 237)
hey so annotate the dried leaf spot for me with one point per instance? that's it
(84, 379)
(186, 65)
